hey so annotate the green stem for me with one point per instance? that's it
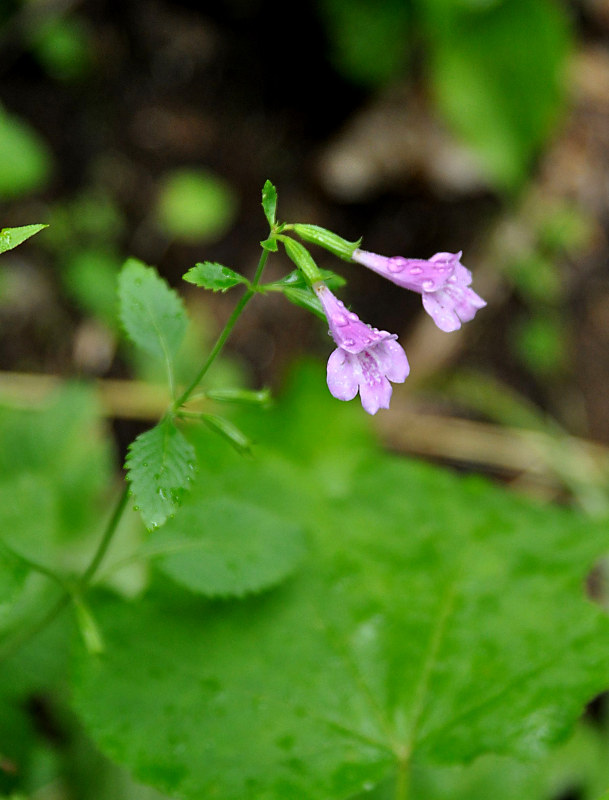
(402, 781)
(225, 333)
(102, 548)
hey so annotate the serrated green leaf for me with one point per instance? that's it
(436, 619)
(152, 314)
(269, 202)
(160, 466)
(11, 237)
(210, 275)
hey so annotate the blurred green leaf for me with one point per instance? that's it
(369, 41)
(499, 82)
(63, 47)
(11, 237)
(160, 466)
(541, 343)
(436, 619)
(25, 159)
(195, 206)
(90, 278)
(13, 572)
(209, 275)
(152, 314)
(537, 277)
(55, 466)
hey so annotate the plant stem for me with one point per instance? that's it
(225, 333)
(402, 781)
(102, 548)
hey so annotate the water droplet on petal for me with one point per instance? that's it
(416, 270)
(353, 317)
(428, 285)
(395, 267)
(349, 342)
(340, 320)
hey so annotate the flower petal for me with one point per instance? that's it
(392, 361)
(375, 394)
(343, 375)
(416, 274)
(439, 307)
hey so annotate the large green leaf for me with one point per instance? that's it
(436, 619)
(152, 314)
(232, 536)
(160, 466)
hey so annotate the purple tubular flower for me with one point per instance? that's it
(442, 280)
(365, 359)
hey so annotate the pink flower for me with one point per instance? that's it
(365, 359)
(442, 280)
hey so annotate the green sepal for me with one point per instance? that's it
(269, 202)
(270, 244)
(210, 275)
(11, 237)
(261, 397)
(303, 259)
(326, 239)
(229, 431)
